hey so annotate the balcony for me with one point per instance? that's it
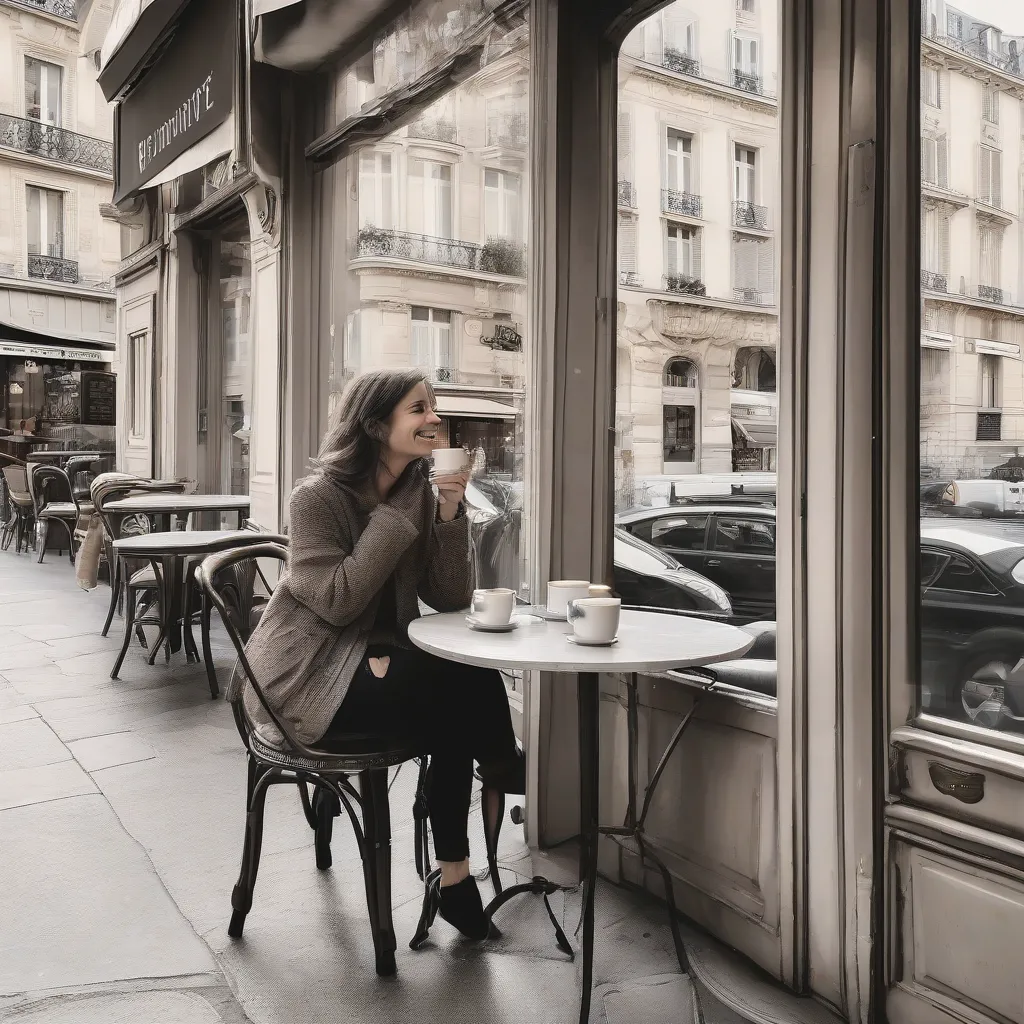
(686, 204)
(496, 256)
(932, 281)
(747, 82)
(52, 143)
(437, 129)
(683, 284)
(509, 131)
(60, 8)
(750, 215)
(990, 293)
(629, 279)
(681, 63)
(1010, 65)
(753, 297)
(627, 195)
(52, 268)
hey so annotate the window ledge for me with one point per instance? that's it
(421, 269)
(989, 749)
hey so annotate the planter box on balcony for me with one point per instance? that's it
(684, 285)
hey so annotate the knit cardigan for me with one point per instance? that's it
(345, 546)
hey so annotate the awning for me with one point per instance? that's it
(72, 355)
(757, 435)
(136, 29)
(460, 407)
(12, 330)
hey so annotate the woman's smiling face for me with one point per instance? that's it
(412, 426)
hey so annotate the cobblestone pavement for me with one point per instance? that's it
(121, 816)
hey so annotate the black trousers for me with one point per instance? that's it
(456, 713)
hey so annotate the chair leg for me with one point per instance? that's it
(70, 527)
(187, 614)
(492, 808)
(325, 810)
(373, 788)
(42, 534)
(241, 895)
(211, 669)
(419, 814)
(129, 627)
(115, 597)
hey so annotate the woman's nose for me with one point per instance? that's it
(432, 418)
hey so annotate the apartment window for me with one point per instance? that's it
(42, 91)
(954, 25)
(45, 222)
(990, 250)
(753, 268)
(430, 197)
(431, 344)
(745, 174)
(935, 160)
(627, 250)
(991, 397)
(138, 379)
(931, 86)
(682, 253)
(934, 241)
(679, 162)
(746, 6)
(376, 190)
(990, 104)
(990, 177)
(746, 55)
(501, 204)
(680, 28)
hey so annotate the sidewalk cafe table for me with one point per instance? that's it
(162, 505)
(170, 549)
(648, 642)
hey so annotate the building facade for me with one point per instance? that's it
(698, 209)
(60, 240)
(972, 244)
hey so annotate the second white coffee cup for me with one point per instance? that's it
(561, 592)
(448, 460)
(595, 620)
(493, 607)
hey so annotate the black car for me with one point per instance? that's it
(732, 545)
(972, 618)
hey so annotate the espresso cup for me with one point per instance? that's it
(448, 460)
(561, 592)
(595, 620)
(493, 607)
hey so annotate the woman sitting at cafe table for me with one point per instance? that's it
(332, 651)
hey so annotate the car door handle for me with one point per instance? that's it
(714, 561)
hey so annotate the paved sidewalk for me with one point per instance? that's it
(121, 817)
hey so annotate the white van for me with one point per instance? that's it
(990, 495)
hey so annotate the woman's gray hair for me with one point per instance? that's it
(353, 447)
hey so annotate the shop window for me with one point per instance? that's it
(45, 209)
(43, 91)
(431, 340)
(502, 204)
(430, 198)
(680, 433)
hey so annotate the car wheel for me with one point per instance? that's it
(982, 687)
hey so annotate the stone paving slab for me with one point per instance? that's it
(99, 752)
(30, 744)
(21, 786)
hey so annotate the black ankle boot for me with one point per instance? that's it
(506, 776)
(461, 907)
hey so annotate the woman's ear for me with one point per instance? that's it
(377, 430)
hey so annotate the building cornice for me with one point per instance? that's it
(365, 265)
(660, 73)
(35, 284)
(729, 322)
(957, 60)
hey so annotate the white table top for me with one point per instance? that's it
(186, 542)
(164, 502)
(648, 642)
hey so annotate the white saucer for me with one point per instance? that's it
(545, 613)
(592, 643)
(484, 627)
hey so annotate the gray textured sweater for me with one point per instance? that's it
(345, 544)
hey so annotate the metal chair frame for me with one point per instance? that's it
(49, 485)
(20, 526)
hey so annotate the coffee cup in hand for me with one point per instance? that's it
(493, 607)
(595, 620)
(448, 461)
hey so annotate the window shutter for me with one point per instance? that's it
(986, 104)
(671, 252)
(997, 178)
(766, 267)
(627, 245)
(929, 149)
(744, 272)
(942, 161)
(696, 255)
(944, 245)
(985, 175)
(625, 144)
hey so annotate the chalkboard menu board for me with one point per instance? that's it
(99, 392)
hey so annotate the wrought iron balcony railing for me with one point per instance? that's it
(496, 256)
(990, 426)
(685, 203)
(630, 278)
(753, 296)
(684, 284)
(990, 293)
(627, 194)
(436, 129)
(680, 62)
(1007, 62)
(933, 281)
(747, 82)
(52, 268)
(56, 143)
(750, 215)
(61, 8)
(510, 131)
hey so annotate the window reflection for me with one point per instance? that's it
(696, 406)
(970, 368)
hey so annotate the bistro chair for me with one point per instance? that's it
(365, 755)
(54, 501)
(21, 522)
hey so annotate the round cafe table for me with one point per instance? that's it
(648, 642)
(161, 505)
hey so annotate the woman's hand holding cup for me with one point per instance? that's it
(450, 475)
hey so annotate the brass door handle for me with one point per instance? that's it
(967, 787)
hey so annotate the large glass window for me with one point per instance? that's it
(971, 374)
(42, 91)
(430, 198)
(45, 207)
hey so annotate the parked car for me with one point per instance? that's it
(731, 545)
(972, 619)
(669, 490)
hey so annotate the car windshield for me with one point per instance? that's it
(640, 557)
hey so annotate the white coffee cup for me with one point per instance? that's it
(493, 607)
(595, 620)
(561, 592)
(448, 460)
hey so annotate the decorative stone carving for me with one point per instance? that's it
(706, 323)
(261, 205)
